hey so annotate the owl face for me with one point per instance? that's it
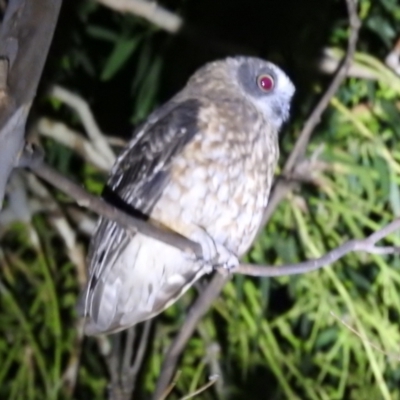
(252, 79)
(266, 86)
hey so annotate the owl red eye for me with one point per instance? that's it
(266, 82)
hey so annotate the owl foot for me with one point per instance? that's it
(215, 255)
(226, 259)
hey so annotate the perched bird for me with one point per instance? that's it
(202, 165)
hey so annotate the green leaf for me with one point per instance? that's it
(101, 33)
(123, 49)
(382, 28)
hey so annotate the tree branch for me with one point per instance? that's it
(282, 188)
(153, 230)
(280, 191)
(300, 147)
(33, 160)
(198, 310)
(366, 245)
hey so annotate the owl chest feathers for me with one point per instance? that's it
(221, 179)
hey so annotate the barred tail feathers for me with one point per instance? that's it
(146, 278)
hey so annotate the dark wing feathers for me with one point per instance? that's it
(141, 171)
(139, 176)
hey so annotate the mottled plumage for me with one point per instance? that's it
(201, 165)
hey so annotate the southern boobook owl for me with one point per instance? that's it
(202, 165)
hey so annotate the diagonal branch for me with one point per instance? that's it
(199, 309)
(280, 191)
(33, 159)
(300, 147)
(151, 229)
(282, 187)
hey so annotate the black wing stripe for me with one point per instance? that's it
(141, 174)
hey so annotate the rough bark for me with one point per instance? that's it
(25, 36)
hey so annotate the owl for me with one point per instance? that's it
(201, 165)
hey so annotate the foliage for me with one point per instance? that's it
(330, 334)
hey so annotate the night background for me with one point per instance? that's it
(329, 334)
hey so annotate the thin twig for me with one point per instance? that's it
(315, 117)
(92, 129)
(199, 308)
(122, 369)
(395, 356)
(60, 222)
(282, 188)
(129, 348)
(171, 386)
(366, 245)
(74, 140)
(212, 380)
(213, 360)
(129, 372)
(149, 10)
(70, 374)
(113, 367)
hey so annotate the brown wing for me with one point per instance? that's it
(136, 182)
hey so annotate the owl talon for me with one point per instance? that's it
(226, 259)
(215, 255)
